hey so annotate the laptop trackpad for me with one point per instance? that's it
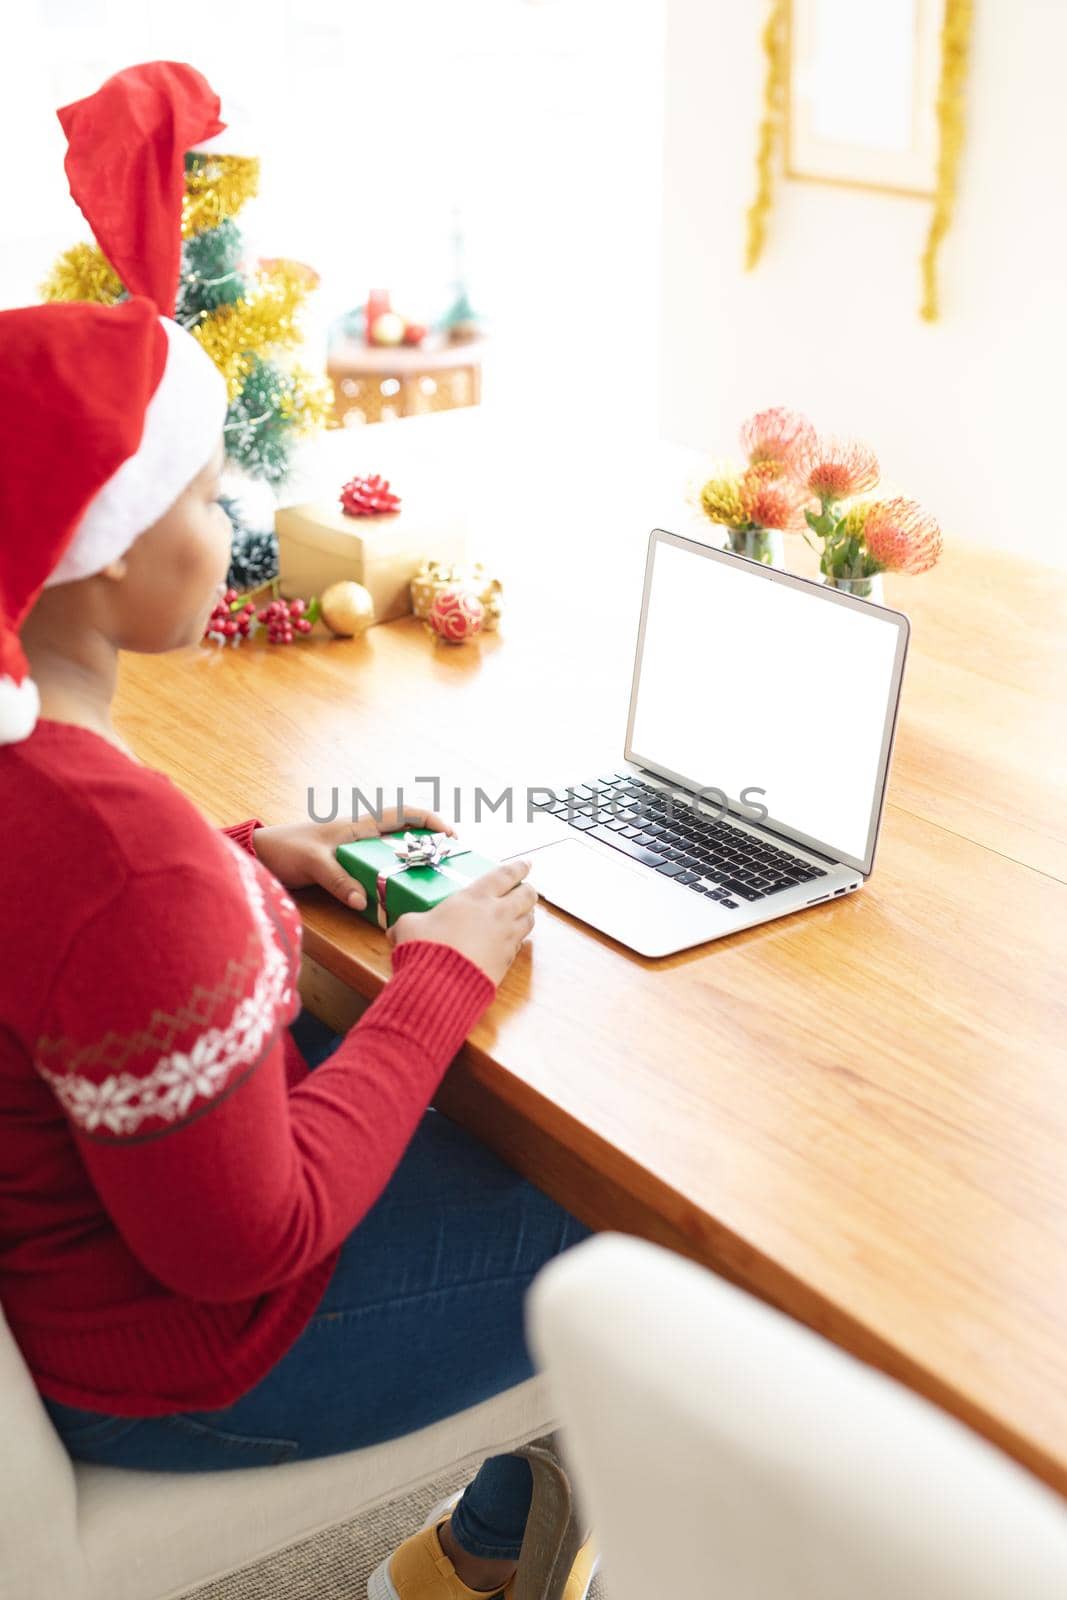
(620, 897)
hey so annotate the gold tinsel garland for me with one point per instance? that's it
(232, 335)
(770, 133)
(261, 324)
(955, 51)
(82, 273)
(310, 402)
(216, 187)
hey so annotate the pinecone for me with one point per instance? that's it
(253, 559)
(368, 497)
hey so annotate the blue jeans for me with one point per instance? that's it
(422, 1317)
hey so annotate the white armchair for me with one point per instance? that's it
(97, 1533)
(723, 1450)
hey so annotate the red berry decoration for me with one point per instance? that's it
(231, 619)
(456, 615)
(368, 497)
(234, 619)
(284, 619)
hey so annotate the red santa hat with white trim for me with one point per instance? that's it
(108, 412)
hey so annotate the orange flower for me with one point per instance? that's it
(901, 536)
(836, 468)
(772, 502)
(776, 436)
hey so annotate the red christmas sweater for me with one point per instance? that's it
(174, 1184)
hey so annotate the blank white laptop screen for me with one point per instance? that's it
(747, 683)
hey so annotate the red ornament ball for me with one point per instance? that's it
(456, 615)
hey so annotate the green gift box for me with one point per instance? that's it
(412, 871)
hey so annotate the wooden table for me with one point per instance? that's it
(858, 1113)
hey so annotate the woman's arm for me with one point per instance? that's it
(241, 834)
(165, 1050)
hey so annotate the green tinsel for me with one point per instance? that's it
(210, 276)
(260, 423)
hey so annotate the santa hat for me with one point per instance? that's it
(108, 411)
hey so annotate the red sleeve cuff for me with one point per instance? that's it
(241, 834)
(434, 997)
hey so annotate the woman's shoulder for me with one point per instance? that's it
(105, 862)
(75, 804)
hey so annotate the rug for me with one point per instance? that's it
(336, 1564)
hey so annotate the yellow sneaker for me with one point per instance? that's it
(419, 1570)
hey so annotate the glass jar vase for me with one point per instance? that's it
(758, 544)
(868, 588)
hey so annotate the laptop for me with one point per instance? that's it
(755, 764)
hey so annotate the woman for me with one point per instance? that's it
(211, 1256)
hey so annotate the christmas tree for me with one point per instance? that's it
(246, 316)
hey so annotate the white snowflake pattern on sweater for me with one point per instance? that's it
(123, 1101)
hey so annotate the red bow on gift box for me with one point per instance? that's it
(368, 497)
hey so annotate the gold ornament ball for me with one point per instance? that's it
(347, 608)
(388, 328)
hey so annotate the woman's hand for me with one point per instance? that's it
(303, 852)
(486, 923)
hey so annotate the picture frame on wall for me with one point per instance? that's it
(861, 102)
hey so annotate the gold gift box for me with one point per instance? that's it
(434, 576)
(319, 545)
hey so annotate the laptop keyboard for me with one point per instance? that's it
(669, 835)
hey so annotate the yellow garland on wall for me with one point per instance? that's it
(770, 133)
(955, 50)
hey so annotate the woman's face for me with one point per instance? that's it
(172, 572)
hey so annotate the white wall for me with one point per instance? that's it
(373, 119)
(967, 414)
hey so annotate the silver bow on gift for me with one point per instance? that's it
(432, 850)
(428, 851)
